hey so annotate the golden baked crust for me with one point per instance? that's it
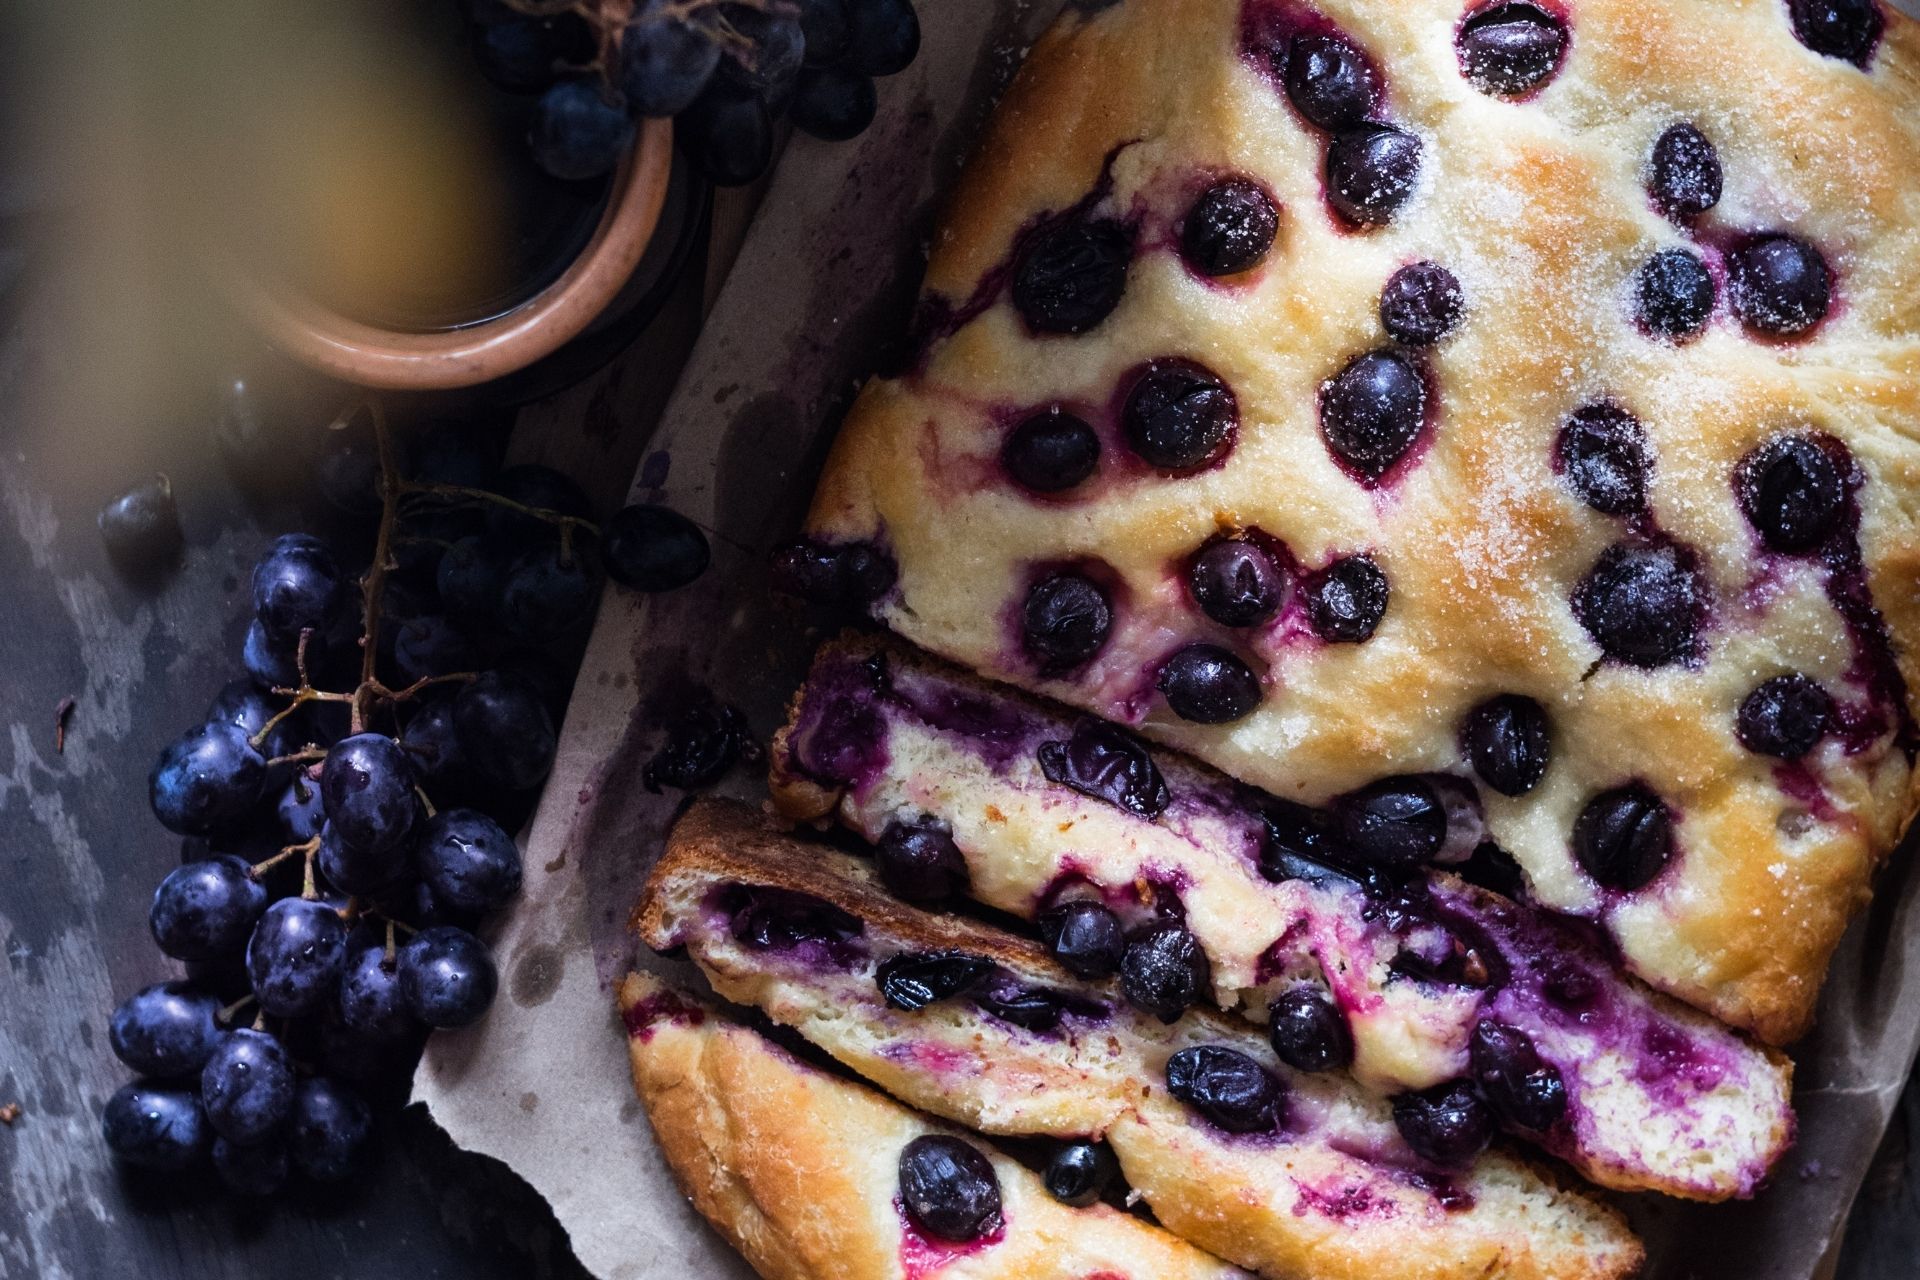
(1636, 1119)
(799, 1169)
(1539, 207)
(1335, 1196)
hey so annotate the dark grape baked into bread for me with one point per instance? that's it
(1521, 393)
(809, 1175)
(1287, 1173)
(1413, 981)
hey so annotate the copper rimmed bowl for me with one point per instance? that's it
(444, 360)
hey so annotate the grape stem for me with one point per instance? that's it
(373, 583)
(468, 494)
(305, 754)
(308, 847)
(226, 1015)
(308, 890)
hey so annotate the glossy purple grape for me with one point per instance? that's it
(834, 104)
(1164, 971)
(248, 708)
(1601, 453)
(1207, 684)
(727, 134)
(1346, 600)
(1643, 604)
(919, 861)
(948, 1190)
(1179, 416)
(1107, 764)
(247, 1086)
(766, 54)
(1447, 1124)
(1371, 172)
(469, 862)
(850, 574)
(1623, 838)
(141, 528)
(447, 976)
(1051, 451)
(1299, 844)
(549, 592)
(1080, 1172)
(703, 742)
(577, 132)
(331, 1125)
(828, 28)
(1785, 717)
(1792, 492)
(1227, 1087)
(915, 979)
(1237, 582)
(469, 576)
(363, 874)
(1230, 228)
(370, 1002)
(1421, 303)
(1673, 294)
(1085, 938)
(296, 956)
(427, 645)
(1396, 823)
(206, 910)
(1309, 1032)
(504, 732)
(1372, 411)
(208, 778)
(1779, 285)
(255, 1170)
(165, 1030)
(1331, 81)
(271, 664)
(367, 787)
(779, 920)
(1683, 173)
(1845, 29)
(524, 55)
(1509, 743)
(1512, 48)
(668, 53)
(1030, 1008)
(156, 1127)
(433, 747)
(883, 36)
(654, 548)
(1070, 276)
(540, 487)
(1524, 1090)
(1064, 622)
(296, 586)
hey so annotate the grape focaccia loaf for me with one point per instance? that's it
(1289, 1174)
(1415, 981)
(1382, 388)
(800, 1170)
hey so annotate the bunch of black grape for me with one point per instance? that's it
(726, 69)
(346, 806)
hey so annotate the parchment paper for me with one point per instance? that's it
(823, 282)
